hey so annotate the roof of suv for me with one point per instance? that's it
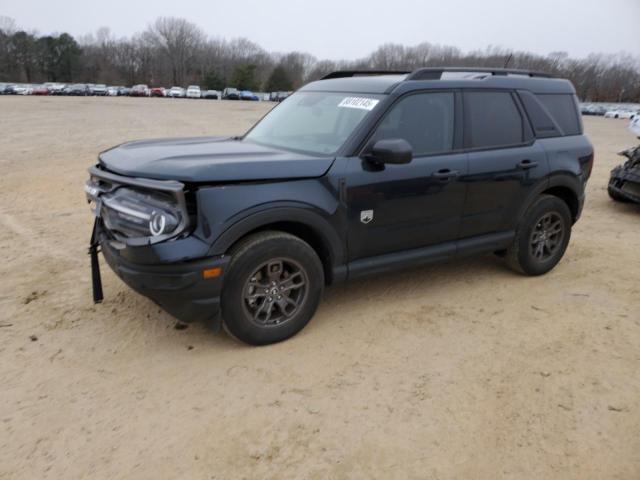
(431, 78)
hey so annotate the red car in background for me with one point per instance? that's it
(40, 90)
(158, 92)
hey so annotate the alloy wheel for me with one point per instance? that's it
(546, 237)
(275, 292)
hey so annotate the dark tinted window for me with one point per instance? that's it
(563, 110)
(424, 120)
(493, 119)
(541, 121)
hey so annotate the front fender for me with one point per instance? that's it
(226, 213)
(282, 212)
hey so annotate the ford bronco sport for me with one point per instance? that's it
(357, 173)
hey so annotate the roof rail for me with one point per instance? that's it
(435, 73)
(362, 73)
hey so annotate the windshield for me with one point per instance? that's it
(313, 122)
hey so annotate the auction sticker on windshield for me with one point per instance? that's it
(359, 102)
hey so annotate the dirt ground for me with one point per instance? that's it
(464, 370)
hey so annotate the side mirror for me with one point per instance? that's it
(391, 150)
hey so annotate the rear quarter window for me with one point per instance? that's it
(564, 111)
(492, 120)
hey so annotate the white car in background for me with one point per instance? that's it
(634, 125)
(193, 91)
(176, 92)
(112, 91)
(620, 114)
(23, 89)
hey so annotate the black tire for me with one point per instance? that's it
(271, 261)
(537, 248)
(616, 196)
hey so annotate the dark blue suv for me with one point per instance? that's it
(358, 173)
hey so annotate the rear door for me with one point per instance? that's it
(505, 162)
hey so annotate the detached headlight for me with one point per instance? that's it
(138, 214)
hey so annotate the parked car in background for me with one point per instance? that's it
(176, 92)
(230, 94)
(278, 96)
(158, 92)
(112, 91)
(592, 109)
(124, 91)
(140, 90)
(619, 113)
(99, 90)
(23, 89)
(40, 90)
(248, 95)
(55, 88)
(193, 91)
(211, 94)
(77, 89)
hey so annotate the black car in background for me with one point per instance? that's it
(358, 173)
(231, 94)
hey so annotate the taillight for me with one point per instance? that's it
(586, 163)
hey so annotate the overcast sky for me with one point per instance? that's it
(349, 29)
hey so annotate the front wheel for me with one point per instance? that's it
(542, 237)
(272, 288)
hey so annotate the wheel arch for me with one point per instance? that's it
(568, 196)
(563, 186)
(301, 222)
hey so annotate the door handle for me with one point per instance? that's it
(445, 175)
(527, 164)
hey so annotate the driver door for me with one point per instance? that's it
(400, 207)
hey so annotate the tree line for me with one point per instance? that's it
(174, 51)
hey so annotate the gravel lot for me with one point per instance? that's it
(463, 370)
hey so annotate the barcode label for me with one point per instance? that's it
(359, 102)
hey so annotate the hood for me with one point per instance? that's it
(210, 159)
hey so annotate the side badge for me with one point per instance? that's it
(366, 216)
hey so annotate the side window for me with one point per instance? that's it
(425, 120)
(564, 111)
(492, 120)
(543, 125)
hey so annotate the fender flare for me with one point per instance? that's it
(273, 214)
(569, 181)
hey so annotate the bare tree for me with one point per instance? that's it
(179, 40)
(175, 51)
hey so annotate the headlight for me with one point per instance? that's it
(138, 211)
(136, 214)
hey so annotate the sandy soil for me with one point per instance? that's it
(464, 370)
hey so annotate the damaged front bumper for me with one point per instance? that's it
(183, 289)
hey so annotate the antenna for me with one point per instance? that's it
(506, 63)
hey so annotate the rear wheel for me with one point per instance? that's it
(542, 237)
(272, 288)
